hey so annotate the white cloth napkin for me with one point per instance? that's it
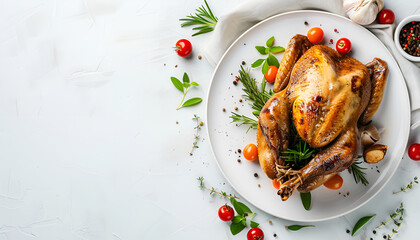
(247, 14)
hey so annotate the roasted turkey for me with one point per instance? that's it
(327, 96)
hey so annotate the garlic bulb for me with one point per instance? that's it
(362, 12)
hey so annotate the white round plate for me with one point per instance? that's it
(393, 117)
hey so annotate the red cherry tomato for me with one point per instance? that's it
(414, 151)
(255, 234)
(386, 16)
(334, 183)
(343, 46)
(271, 73)
(226, 213)
(250, 152)
(183, 47)
(315, 35)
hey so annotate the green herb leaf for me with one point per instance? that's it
(192, 101)
(361, 223)
(270, 42)
(204, 18)
(177, 84)
(186, 85)
(260, 49)
(237, 219)
(195, 84)
(185, 78)
(254, 224)
(240, 208)
(358, 172)
(243, 221)
(257, 63)
(277, 49)
(272, 60)
(236, 228)
(265, 67)
(306, 200)
(267, 50)
(297, 227)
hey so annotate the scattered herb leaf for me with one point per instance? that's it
(257, 63)
(183, 87)
(271, 60)
(236, 228)
(277, 49)
(203, 17)
(270, 42)
(239, 221)
(260, 49)
(265, 67)
(359, 224)
(297, 227)
(397, 217)
(253, 224)
(306, 200)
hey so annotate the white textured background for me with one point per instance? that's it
(89, 147)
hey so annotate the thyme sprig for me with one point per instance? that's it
(214, 191)
(196, 135)
(409, 186)
(358, 173)
(203, 17)
(397, 217)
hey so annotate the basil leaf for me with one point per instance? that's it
(177, 84)
(243, 221)
(192, 101)
(272, 60)
(270, 42)
(254, 224)
(297, 227)
(277, 49)
(264, 67)
(361, 223)
(267, 50)
(244, 208)
(306, 200)
(185, 78)
(236, 219)
(236, 228)
(186, 85)
(257, 63)
(195, 84)
(260, 49)
(237, 207)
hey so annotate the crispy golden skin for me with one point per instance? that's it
(327, 93)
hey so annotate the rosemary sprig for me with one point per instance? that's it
(358, 173)
(397, 217)
(196, 135)
(214, 191)
(257, 96)
(203, 17)
(244, 120)
(409, 186)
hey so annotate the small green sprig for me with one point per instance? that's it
(203, 17)
(183, 87)
(244, 120)
(358, 173)
(300, 153)
(214, 191)
(239, 222)
(397, 217)
(271, 60)
(409, 186)
(196, 135)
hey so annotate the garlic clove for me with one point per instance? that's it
(370, 135)
(374, 153)
(363, 12)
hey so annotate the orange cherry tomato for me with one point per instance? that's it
(315, 35)
(276, 184)
(250, 152)
(271, 73)
(334, 183)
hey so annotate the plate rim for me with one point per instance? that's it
(406, 97)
